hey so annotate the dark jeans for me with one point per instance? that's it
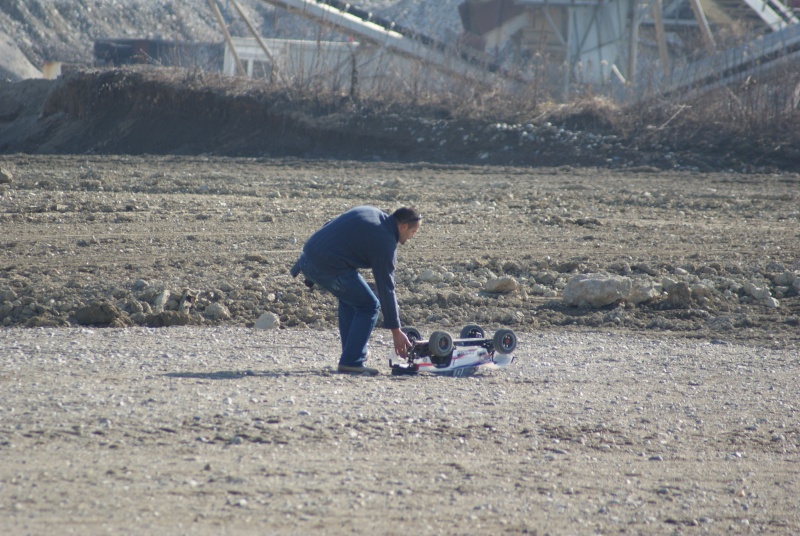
(358, 309)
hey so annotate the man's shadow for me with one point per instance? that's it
(238, 374)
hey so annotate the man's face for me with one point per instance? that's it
(408, 230)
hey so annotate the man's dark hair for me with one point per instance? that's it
(407, 215)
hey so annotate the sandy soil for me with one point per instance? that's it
(668, 416)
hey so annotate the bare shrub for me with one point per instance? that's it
(756, 119)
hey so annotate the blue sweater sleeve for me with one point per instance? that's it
(383, 273)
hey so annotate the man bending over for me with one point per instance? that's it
(362, 237)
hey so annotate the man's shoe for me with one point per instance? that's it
(360, 371)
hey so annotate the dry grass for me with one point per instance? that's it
(758, 118)
(756, 121)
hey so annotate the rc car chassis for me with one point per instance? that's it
(441, 354)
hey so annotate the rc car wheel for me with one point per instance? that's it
(440, 344)
(472, 331)
(413, 334)
(504, 341)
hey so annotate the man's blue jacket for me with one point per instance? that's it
(362, 237)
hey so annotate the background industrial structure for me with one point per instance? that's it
(621, 48)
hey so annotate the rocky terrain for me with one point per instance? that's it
(209, 430)
(154, 241)
(162, 371)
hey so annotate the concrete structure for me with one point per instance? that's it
(768, 57)
(582, 41)
(125, 51)
(560, 45)
(338, 66)
(397, 40)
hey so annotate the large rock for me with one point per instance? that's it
(680, 294)
(46, 321)
(700, 290)
(217, 311)
(759, 293)
(643, 291)
(268, 321)
(7, 295)
(785, 279)
(166, 319)
(501, 285)
(597, 290)
(161, 300)
(429, 276)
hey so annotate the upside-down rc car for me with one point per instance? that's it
(441, 354)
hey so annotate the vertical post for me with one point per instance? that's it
(273, 67)
(239, 69)
(633, 46)
(702, 22)
(568, 54)
(662, 42)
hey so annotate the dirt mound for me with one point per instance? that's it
(144, 111)
(147, 110)
(163, 111)
(138, 111)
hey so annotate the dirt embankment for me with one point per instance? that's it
(167, 111)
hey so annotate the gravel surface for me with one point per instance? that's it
(232, 430)
(674, 415)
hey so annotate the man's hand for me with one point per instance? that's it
(401, 342)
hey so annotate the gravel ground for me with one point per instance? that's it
(673, 415)
(231, 430)
(667, 416)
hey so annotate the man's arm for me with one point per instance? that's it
(383, 272)
(391, 315)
